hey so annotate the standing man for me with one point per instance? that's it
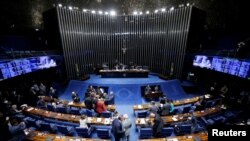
(157, 125)
(117, 129)
(126, 124)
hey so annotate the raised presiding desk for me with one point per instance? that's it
(66, 117)
(181, 117)
(133, 73)
(42, 136)
(176, 103)
(153, 95)
(73, 104)
(203, 136)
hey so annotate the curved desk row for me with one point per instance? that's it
(181, 117)
(108, 121)
(41, 136)
(203, 136)
(176, 103)
(66, 117)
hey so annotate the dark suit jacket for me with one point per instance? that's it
(165, 109)
(158, 125)
(88, 103)
(117, 127)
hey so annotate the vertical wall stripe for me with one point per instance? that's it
(154, 40)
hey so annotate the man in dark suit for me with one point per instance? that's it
(88, 103)
(117, 129)
(165, 109)
(75, 97)
(157, 125)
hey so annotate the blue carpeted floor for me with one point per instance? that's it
(127, 92)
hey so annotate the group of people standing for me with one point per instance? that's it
(164, 108)
(96, 99)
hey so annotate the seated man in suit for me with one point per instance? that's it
(156, 89)
(75, 97)
(147, 90)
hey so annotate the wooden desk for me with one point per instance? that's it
(202, 135)
(66, 117)
(153, 95)
(41, 136)
(73, 104)
(181, 117)
(176, 103)
(134, 73)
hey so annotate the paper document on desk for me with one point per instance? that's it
(142, 121)
(139, 106)
(99, 120)
(70, 103)
(174, 119)
(207, 96)
(30, 109)
(173, 139)
(89, 119)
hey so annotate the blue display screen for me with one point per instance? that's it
(226, 65)
(17, 67)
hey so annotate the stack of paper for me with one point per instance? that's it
(139, 106)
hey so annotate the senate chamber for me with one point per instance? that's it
(124, 70)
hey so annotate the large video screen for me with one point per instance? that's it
(17, 67)
(226, 65)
